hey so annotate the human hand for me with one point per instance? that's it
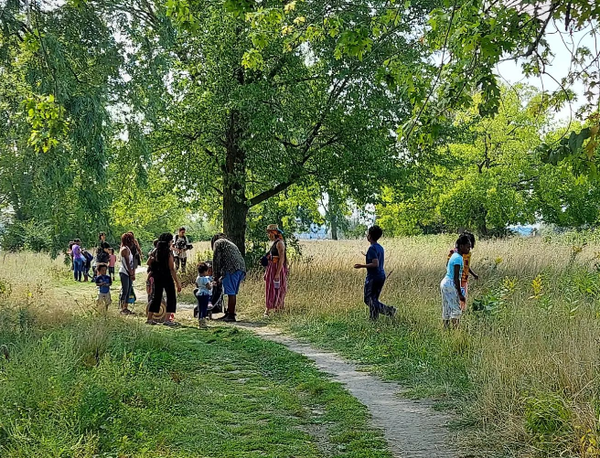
(277, 278)
(358, 266)
(363, 253)
(461, 298)
(178, 288)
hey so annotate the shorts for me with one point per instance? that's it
(104, 299)
(111, 270)
(450, 302)
(231, 282)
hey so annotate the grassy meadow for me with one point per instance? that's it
(83, 384)
(522, 373)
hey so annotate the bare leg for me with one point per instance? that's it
(231, 302)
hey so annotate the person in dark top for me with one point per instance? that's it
(375, 280)
(103, 282)
(165, 278)
(229, 270)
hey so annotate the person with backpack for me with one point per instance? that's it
(181, 245)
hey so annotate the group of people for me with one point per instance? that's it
(454, 285)
(223, 275)
(82, 260)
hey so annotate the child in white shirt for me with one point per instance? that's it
(204, 282)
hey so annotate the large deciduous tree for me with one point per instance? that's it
(59, 65)
(491, 175)
(250, 112)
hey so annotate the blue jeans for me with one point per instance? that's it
(77, 268)
(373, 287)
(126, 285)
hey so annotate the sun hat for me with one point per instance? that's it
(274, 228)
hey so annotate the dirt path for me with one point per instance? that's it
(412, 428)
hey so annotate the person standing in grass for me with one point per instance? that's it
(452, 294)
(375, 280)
(103, 282)
(126, 271)
(78, 260)
(204, 283)
(165, 279)
(112, 260)
(464, 281)
(277, 271)
(229, 269)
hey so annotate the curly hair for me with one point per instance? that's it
(127, 239)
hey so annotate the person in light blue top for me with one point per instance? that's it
(204, 282)
(455, 260)
(452, 294)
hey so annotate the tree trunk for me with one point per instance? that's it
(234, 217)
(334, 228)
(235, 203)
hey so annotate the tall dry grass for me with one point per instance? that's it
(532, 363)
(525, 374)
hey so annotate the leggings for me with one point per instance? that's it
(126, 285)
(168, 286)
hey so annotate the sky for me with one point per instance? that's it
(560, 42)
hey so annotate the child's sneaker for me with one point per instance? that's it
(202, 323)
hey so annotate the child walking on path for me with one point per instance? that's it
(464, 281)
(103, 282)
(452, 294)
(375, 280)
(204, 282)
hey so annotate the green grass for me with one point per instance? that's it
(425, 361)
(105, 387)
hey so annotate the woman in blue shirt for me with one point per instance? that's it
(452, 294)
